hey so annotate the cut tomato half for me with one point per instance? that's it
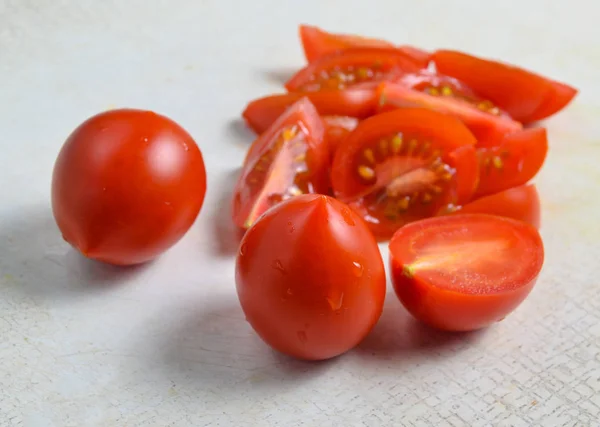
(288, 159)
(513, 162)
(318, 43)
(464, 272)
(521, 203)
(337, 129)
(526, 96)
(352, 67)
(360, 103)
(403, 165)
(483, 119)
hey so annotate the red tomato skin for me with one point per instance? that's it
(310, 278)
(337, 128)
(127, 185)
(451, 310)
(520, 203)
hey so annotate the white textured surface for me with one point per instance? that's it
(167, 345)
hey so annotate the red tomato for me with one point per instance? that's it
(318, 43)
(352, 67)
(262, 112)
(396, 167)
(484, 122)
(520, 203)
(524, 95)
(464, 272)
(516, 160)
(127, 185)
(337, 128)
(310, 278)
(288, 159)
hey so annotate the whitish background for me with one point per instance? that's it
(167, 345)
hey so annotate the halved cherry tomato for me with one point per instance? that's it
(526, 96)
(288, 159)
(262, 112)
(484, 122)
(318, 43)
(127, 185)
(513, 162)
(464, 272)
(352, 67)
(396, 167)
(521, 203)
(310, 278)
(337, 129)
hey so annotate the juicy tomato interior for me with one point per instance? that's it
(513, 162)
(261, 113)
(337, 129)
(464, 272)
(318, 43)
(395, 167)
(289, 159)
(521, 203)
(483, 118)
(352, 67)
(526, 96)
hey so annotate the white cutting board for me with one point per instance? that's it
(167, 345)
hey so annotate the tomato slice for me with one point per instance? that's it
(261, 113)
(318, 43)
(521, 203)
(352, 67)
(526, 96)
(513, 162)
(396, 167)
(289, 159)
(337, 129)
(464, 272)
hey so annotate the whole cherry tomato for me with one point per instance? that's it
(127, 185)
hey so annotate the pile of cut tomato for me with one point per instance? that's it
(369, 142)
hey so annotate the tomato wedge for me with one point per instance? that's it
(318, 43)
(526, 96)
(352, 67)
(513, 162)
(337, 129)
(288, 159)
(521, 203)
(482, 123)
(397, 167)
(464, 272)
(261, 113)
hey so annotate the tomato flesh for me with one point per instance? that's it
(513, 162)
(310, 278)
(351, 67)
(395, 167)
(526, 96)
(464, 272)
(360, 103)
(337, 129)
(287, 160)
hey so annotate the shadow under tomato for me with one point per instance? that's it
(240, 133)
(399, 334)
(227, 235)
(215, 346)
(36, 261)
(279, 76)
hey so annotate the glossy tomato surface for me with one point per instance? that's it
(310, 278)
(337, 129)
(288, 159)
(404, 165)
(127, 185)
(526, 96)
(464, 272)
(521, 203)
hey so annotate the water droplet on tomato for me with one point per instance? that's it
(243, 249)
(302, 336)
(347, 216)
(289, 291)
(278, 266)
(335, 301)
(357, 269)
(291, 226)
